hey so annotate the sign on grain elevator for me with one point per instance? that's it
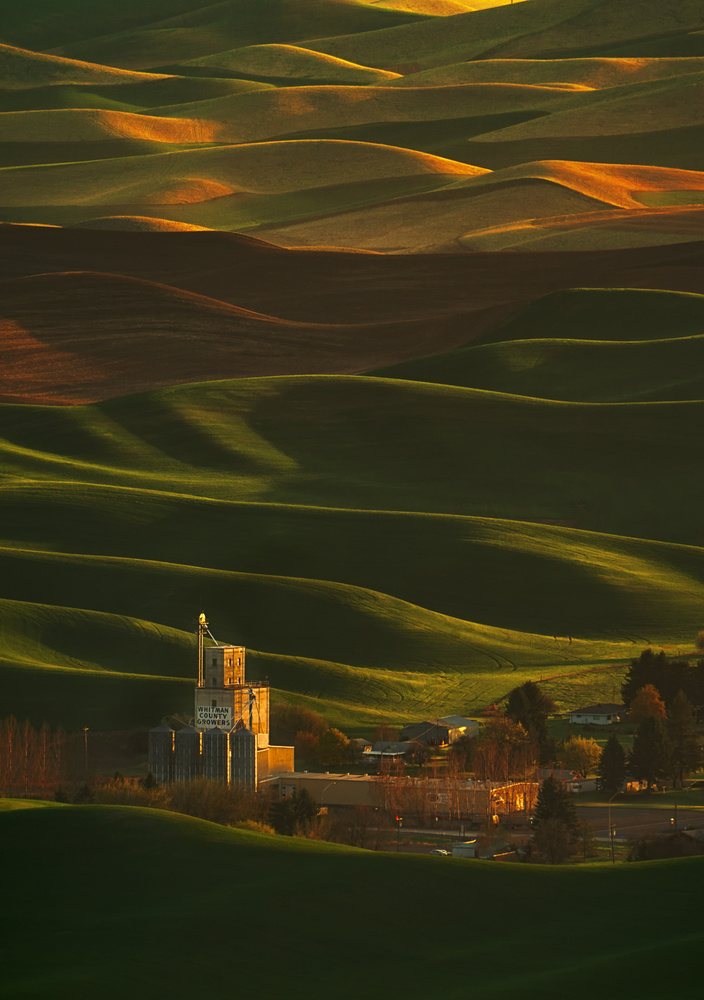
(209, 716)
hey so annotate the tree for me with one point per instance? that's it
(611, 767)
(418, 753)
(699, 641)
(503, 750)
(333, 749)
(285, 721)
(587, 840)
(530, 706)
(667, 676)
(384, 733)
(648, 668)
(555, 822)
(306, 748)
(649, 757)
(462, 751)
(647, 704)
(680, 718)
(295, 814)
(581, 755)
(686, 751)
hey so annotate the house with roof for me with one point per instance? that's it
(440, 732)
(389, 749)
(602, 714)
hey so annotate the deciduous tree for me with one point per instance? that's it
(384, 733)
(333, 749)
(581, 755)
(647, 704)
(285, 721)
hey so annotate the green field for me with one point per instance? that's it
(124, 892)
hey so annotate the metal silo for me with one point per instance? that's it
(161, 753)
(216, 755)
(243, 758)
(187, 759)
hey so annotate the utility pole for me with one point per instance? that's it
(85, 746)
(202, 629)
(611, 830)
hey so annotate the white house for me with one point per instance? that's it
(603, 714)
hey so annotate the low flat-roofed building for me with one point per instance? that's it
(327, 789)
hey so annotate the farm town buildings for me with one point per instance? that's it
(229, 738)
(425, 798)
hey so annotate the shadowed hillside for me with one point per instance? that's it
(139, 942)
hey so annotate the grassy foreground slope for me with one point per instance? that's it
(122, 921)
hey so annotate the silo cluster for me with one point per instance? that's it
(187, 753)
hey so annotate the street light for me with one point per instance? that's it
(322, 794)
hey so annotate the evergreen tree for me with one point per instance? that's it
(686, 751)
(555, 822)
(295, 814)
(667, 676)
(530, 706)
(649, 758)
(647, 669)
(611, 768)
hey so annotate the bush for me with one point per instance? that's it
(123, 793)
(211, 800)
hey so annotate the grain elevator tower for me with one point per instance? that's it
(228, 739)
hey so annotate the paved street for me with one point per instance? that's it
(632, 822)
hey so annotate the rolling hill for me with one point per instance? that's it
(388, 594)
(374, 327)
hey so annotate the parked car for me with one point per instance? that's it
(439, 850)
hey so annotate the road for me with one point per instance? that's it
(633, 822)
